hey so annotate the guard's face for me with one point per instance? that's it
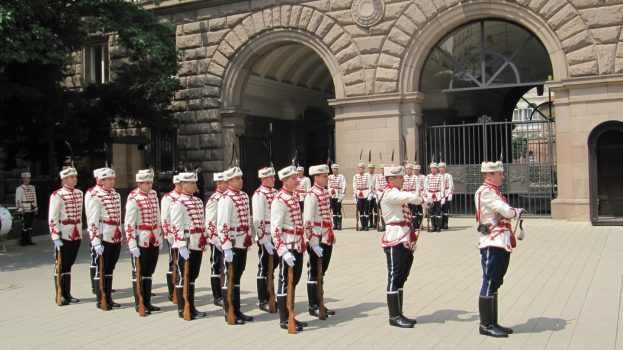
(26, 180)
(409, 171)
(236, 183)
(497, 178)
(70, 181)
(221, 185)
(361, 170)
(290, 182)
(371, 170)
(108, 183)
(336, 171)
(269, 181)
(442, 170)
(189, 187)
(396, 181)
(145, 186)
(417, 171)
(322, 180)
(434, 170)
(301, 172)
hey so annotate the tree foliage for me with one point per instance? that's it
(38, 38)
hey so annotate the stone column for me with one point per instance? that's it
(375, 123)
(581, 105)
(233, 125)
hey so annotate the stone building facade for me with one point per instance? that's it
(374, 51)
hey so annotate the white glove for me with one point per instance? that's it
(450, 198)
(160, 246)
(519, 212)
(58, 244)
(443, 201)
(289, 259)
(521, 235)
(218, 246)
(171, 239)
(269, 247)
(228, 255)
(99, 249)
(318, 250)
(184, 253)
(339, 200)
(135, 252)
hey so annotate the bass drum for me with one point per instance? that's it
(6, 221)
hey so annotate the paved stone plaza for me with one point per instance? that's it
(563, 290)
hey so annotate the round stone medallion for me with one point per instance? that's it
(367, 12)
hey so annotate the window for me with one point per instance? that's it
(96, 63)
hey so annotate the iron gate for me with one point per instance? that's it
(527, 149)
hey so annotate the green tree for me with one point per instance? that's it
(38, 38)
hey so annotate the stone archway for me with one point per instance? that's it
(605, 145)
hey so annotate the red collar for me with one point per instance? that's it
(143, 192)
(186, 194)
(283, 189)
(107, 190)
(233, 190)
(68, 188)
(389, 187)
(262, 185)
(219, 191)
(489, 184)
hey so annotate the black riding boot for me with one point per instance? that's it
(191, 300)
(237, 311)
(495, 317)
(93, 285)
(339, 222)
(313, 302)
(487, 327)
(147, 285)
(217, 293)
(108, 290)
(283, 313)
(400, 297)
(67, 289)
(29, 238)
(395, 319)
(64, 300)
(179, 294)
(237, 319)
(170, 286)
(262, 293)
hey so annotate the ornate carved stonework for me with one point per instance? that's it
(367, 12)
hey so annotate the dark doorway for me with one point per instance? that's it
(606, 188)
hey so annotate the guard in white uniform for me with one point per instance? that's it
(104, 226)
(191, 239)
(361, 191)
(144, 234)
(419, 189)
(216, 256)
(261, 201)
(87, 198)
(319, 234)
(337, 190)
(373, 209)
(65, 224)
(234, 234)
(26, 204)
(378, 187)
(496, 243)
(287, 231)
(434, 186)
(447, 194)
(165, 224)
(303, 186)
(398, 241)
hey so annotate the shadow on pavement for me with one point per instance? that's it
(541, 324)
(442, 316)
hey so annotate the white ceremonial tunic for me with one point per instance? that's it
(449, 185)
(379, 186)
(212, 214)
(361, 186)
(65, 214)
(165, 215)
(492, 210)
(142, 219)
(397, 216)
(317, 217)
(287, 223)
(233, 221)
(104, 216)
(337, 186)
(303, 186)
(434, 186)
(26, 199)
(261, 201)
(187, 222)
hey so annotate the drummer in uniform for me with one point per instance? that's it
(26, 203)
(65, 224)
(337, 189)
(398, 241)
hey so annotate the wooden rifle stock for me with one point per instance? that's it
(174, 275)
(356, 215)
(290, 301)
(141, 302)
(272, 305)
(103, 299)
(59, 292)
(322, 312)
(187, 315)
(231, 319)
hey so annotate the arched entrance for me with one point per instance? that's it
(605, 146)
(274, 99)
(473, 79)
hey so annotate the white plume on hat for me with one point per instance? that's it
(287, 171)
(266, 172)
(67, 171)
(218, 177)
(491, 167)
(26, 174)
(176, 179)
(105, 173)
(188, 177)
(144, 175)
(394, 171)
(318, 169)
(231, 173)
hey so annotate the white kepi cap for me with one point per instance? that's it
(300, 168)
(96, 172)
(26, 174)
(491, 167)
(145, 175)
(335, 166)
(433, 165)
(231, 173)
(318, 169)
(218, 177)
(188, 177)
(394, 171)
(287, 171)
(266, 172)
(105, 173)
(410, 166)
(417, 167)
(176, 179)
(442, 164)
(360, 165)
(67, 171)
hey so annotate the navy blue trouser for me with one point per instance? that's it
(494, 263)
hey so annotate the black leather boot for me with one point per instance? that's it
(98, 294)
(495, 317)
(395, 319)
(170, 286)
(300, 323)
(400, 298)
(191, 300)
(444, 221)
(226, 307)
(311, 298)
(262, 294)
(64, 300)
(339, 222)
(217, 293)
(237, 311)
(67, 289)
(29, 238)
(23, 238)
(179, 294)
(283, 313)
(93, 286)
(147, 285)
(108, 291)
(487, 327)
